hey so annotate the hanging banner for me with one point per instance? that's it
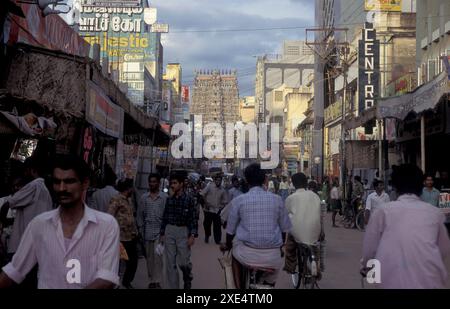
(369, 68)
(102, 113)
(130, 161)
(185, 94)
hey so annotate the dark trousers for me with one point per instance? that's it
(132, 263)
(214, 219)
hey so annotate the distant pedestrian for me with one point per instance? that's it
(234, 192)
(149, 219)
(430, 194)
(335, 199)
(216, 198)
(375, 200)
(102, 197)
(121, 209)
(284, 188)
(408, 237)
(179, 229)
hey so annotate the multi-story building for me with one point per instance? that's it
(277, 71)
(344, 25)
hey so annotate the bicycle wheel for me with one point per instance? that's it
(296, 277)
(360, 224)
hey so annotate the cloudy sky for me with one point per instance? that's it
(229, 49)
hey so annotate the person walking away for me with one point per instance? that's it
(325, 194)
(256, 229)
(305, 212)
(335, 198)
(72, 232)
(179, 229)
(102, 197)
(284, 188)
(121, 209)
(408, 228)
(234, 192)
(215, 198)
(375, 200)
(430, 194)
(149, 219)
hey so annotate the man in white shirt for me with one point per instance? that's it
(305, 212)
(74, 245)
(376, 199)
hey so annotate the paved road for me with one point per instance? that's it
(342, 263)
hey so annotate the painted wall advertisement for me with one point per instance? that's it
(369, 68)
(383, 5)
(335, 138)
(102, 113)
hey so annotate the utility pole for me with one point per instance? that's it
(326, 51)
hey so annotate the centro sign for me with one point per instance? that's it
(369, 68)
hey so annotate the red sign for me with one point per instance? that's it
(185, 94)
(51, 32)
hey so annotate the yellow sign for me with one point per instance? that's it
(383, 5)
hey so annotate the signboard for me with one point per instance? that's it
(51, 32)
(160, 28)
(185, 94)
(383, 5)
(102, 113)
(334, 111)
(150, 16)
(120, 32)
(334, 138)
(112, 3)
(131, 161)
(369, 68)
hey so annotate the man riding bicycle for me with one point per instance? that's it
(256, 229)
(305, 213)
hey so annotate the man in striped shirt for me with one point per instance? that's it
(149, 219)
(74, 245)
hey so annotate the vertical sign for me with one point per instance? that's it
(369, 68)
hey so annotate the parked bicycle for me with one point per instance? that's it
(308, 273)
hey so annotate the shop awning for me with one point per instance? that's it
(423, 98)
(363, 118)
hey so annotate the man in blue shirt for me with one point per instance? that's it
(429, 193)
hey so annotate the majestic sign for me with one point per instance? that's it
(384, 5)
(369, 68)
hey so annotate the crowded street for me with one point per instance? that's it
(224, 145)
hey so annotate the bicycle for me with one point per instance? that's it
(252, 277)
(308, 268)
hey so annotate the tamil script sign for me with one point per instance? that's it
(113, 3)
(383, 5)
(369, 68)
(102, 113)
